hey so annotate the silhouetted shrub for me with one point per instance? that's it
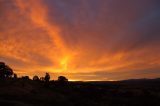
(25, 77)
(36, 78)
(42, 79)
(62, 79)
(15, 76)
(46, 79)
(5, 71)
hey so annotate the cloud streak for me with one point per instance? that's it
(80, 38)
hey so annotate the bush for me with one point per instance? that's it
(5, 71)
(36, 78)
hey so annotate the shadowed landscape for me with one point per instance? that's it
(44, 92)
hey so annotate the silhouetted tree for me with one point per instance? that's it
(42, 78)
(15, 76)
(62, 79)
(46, 79)
(36, 78)
(5, 71)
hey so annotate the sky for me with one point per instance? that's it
(81, 39)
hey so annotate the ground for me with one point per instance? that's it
(20, 92)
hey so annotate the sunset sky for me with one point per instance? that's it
(81, 39)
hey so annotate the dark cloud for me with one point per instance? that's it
(107, 24)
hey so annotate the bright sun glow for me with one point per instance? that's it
(64, 63)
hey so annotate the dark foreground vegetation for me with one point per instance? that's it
(23, 92)
(43, 92)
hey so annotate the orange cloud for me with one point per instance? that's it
(38, 13)
(82, 40)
